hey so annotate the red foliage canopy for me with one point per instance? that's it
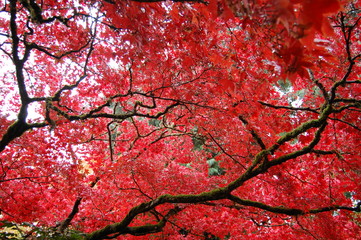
(181, 119)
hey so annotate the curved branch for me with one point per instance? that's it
(291, 211)
(65, 224)
(122, 227)
(288, 107)
(153, 228)
(35, 12)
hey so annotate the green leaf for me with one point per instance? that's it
(348, 195)
(284, 85)
(154, 122)
(301, 93)
(214, 168)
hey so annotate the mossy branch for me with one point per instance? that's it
(291, 211)
(122, 227)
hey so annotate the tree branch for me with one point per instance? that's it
(65, 224)
(288, 107)
(122, 227)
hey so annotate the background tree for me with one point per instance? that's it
(181, 119)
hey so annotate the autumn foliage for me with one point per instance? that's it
(150, 119)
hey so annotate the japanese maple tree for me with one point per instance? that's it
(150, 119)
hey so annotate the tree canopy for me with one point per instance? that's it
(151, 119)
